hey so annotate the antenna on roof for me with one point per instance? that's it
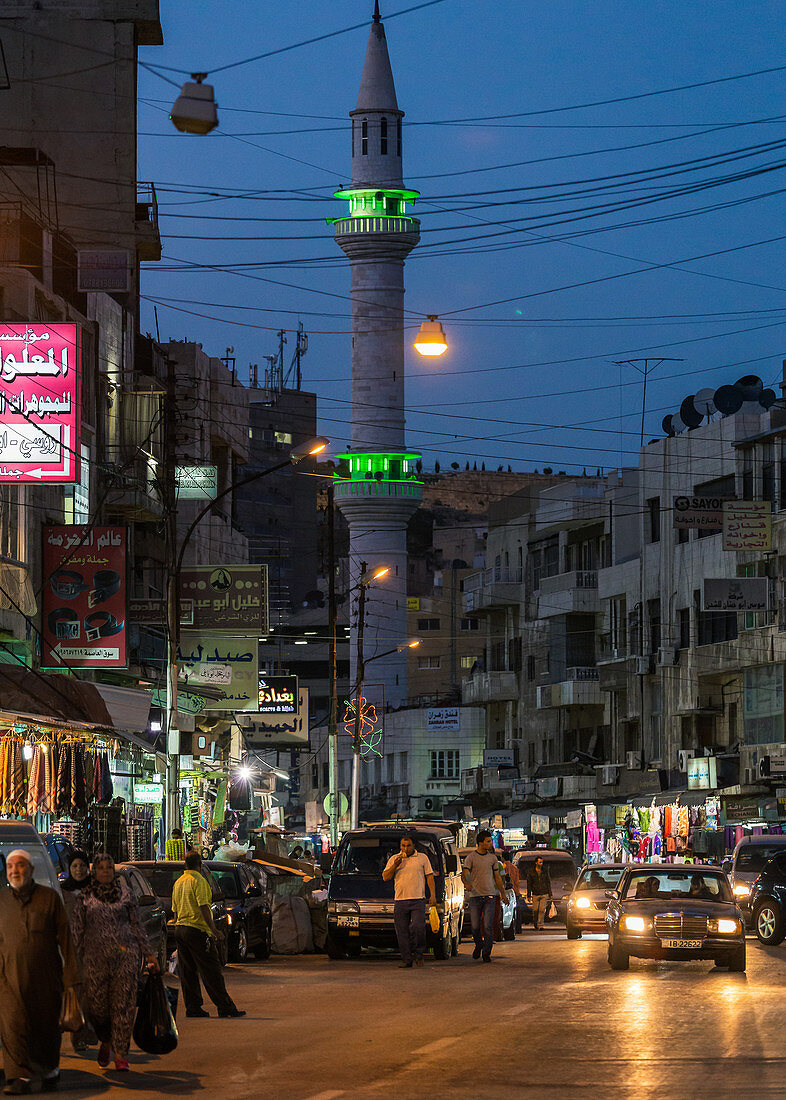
(377, 16)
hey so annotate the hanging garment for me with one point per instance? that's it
(96, 785)
(593, 837)
(671, 844)
(78, 799)
(654, 828)
(107, 790)
(18, 794)
(683, 822)
(63, 792)
(644, 820)
(35, 784)
(4, 742)
(89, 765)
(49, 803)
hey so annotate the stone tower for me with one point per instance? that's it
(377, 236)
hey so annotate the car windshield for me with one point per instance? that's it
(682, 884)
(599, 878)
(367, 855)
(752, 858)
(559, 868)
(227, 880)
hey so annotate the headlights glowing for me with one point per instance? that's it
(583, 903)
(723, 926)
(634, 924)
(741, 890)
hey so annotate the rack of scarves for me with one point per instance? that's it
(60, 776)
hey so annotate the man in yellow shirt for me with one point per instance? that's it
(196, 934)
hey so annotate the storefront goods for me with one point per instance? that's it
(51, 777)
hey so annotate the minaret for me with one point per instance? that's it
(377, 236)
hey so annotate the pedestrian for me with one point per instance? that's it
(196, 935)
(176, 847)
(410, 871)
(484, 884)
(78, 878)
(111, 942)
(539, 892)
(296, 853)
(37, 960)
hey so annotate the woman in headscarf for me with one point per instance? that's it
(111, 942)
(78, 878)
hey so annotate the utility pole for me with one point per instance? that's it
(360, 674)
(172, 787)
(334, 801)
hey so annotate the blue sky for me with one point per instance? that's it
(531, 378)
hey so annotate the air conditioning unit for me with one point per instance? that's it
(666, 655)
(608, 775)
(635, 761)
(432, 802)
(683, 756)
(644, 665)
(750, 776)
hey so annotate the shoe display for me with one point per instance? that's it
(233, 1013)
(121, 1064)
(104, 1055)
(198, 1012)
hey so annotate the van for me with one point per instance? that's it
(747, 862)
(360, 903)
(19, 834)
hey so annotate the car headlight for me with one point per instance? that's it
(724, 926)
(634, 924)
(229, 918)
(583, 903)
(741, 890)
(347, 907)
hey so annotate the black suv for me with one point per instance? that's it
(767, 902)
(248, 909)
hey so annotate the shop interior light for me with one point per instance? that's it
(27, 752)
(155, 727)
(430, 340)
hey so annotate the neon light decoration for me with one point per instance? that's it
(370, 733)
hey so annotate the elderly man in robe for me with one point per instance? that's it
(37, 960)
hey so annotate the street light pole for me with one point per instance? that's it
(333, 798)
(360, 672)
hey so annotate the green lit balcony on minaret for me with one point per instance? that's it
(374, 210)
(380, 474)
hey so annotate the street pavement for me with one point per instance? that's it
(546, 1019)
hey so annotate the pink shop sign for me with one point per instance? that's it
(39, 402)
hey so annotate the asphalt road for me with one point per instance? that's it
(546, 1019)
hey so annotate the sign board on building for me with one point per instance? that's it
(187, 701)
(148, 794)
(278, 694)
(538, 824)
(196, 482)
(443, 718)
(84, 597)
(147, 612)
(702, 513)
(224, 597)
(735, 594)
(273, 730)
(413, 603)
(39, 403)
(499, 758)
(227, 664)
(104, 269)
(702, 773)
(741, 809)
(747, 525)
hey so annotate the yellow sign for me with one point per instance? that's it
(413, 603)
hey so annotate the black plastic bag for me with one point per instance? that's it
(155, 1030)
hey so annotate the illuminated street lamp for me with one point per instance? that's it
(430, 341)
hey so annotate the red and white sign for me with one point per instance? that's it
(84, 597)
(39, 402)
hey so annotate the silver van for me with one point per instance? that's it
(747, 862)
(19, 834)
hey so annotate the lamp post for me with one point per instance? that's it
(304, 450)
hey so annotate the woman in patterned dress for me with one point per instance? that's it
(111, 942)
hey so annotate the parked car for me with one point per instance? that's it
(748, 860)
(61, 853)
(674, 911)
(248, 909)
(19, 834)
(588, 903)
(162, 876)
(562, 873)
(360, 903)
(151, 912)
(767, 901)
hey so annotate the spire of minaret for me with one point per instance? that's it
(377, 90)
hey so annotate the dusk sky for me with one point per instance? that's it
(581, 204)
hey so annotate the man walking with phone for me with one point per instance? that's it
(483, 882)
(410, 871)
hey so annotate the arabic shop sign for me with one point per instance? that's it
(187, 701)
(39, 403)
(278, 695)
(227, 664)
(747, 525)
(148, 794)
(704, 513)
(735, 594)
(196, 482)
(273, 730)
(224, 597)
(104, 269)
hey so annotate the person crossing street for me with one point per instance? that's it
(484, 884)
(539, 893)
(410, 871)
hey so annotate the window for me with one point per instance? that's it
(618, 620)
(768, 482)
(653, 614)
(530, 666)
(428, 624)
(364, 137)
(747, 484)
(683, 627)
(428, 662)
(383, 137)
(469, 624)
(444, 764)
(468, 662)
(713, 626)
(683, 535)
(653, 509)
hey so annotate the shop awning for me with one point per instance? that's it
(51, 697)
(129, 708)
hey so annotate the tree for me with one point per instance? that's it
(436, 467)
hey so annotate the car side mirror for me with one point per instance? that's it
(451, 863)
(726, 866)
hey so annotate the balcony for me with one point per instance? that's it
(580, 689)
(569, 593)
(493, 588)
(148, 237)
(489, 687)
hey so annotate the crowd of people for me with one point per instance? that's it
(90, 949)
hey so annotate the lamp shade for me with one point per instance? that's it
(431, 338)
(194, 110)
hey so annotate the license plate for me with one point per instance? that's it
(680, 943)
(348, 922)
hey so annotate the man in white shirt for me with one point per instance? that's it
(410, 871)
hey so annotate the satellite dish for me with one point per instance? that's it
(728, 400)
(667, 426)
(750, 386)
(689, 414)
(767, 398)
(704, 401)
(678, 424)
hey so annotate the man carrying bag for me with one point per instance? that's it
(539, 893)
